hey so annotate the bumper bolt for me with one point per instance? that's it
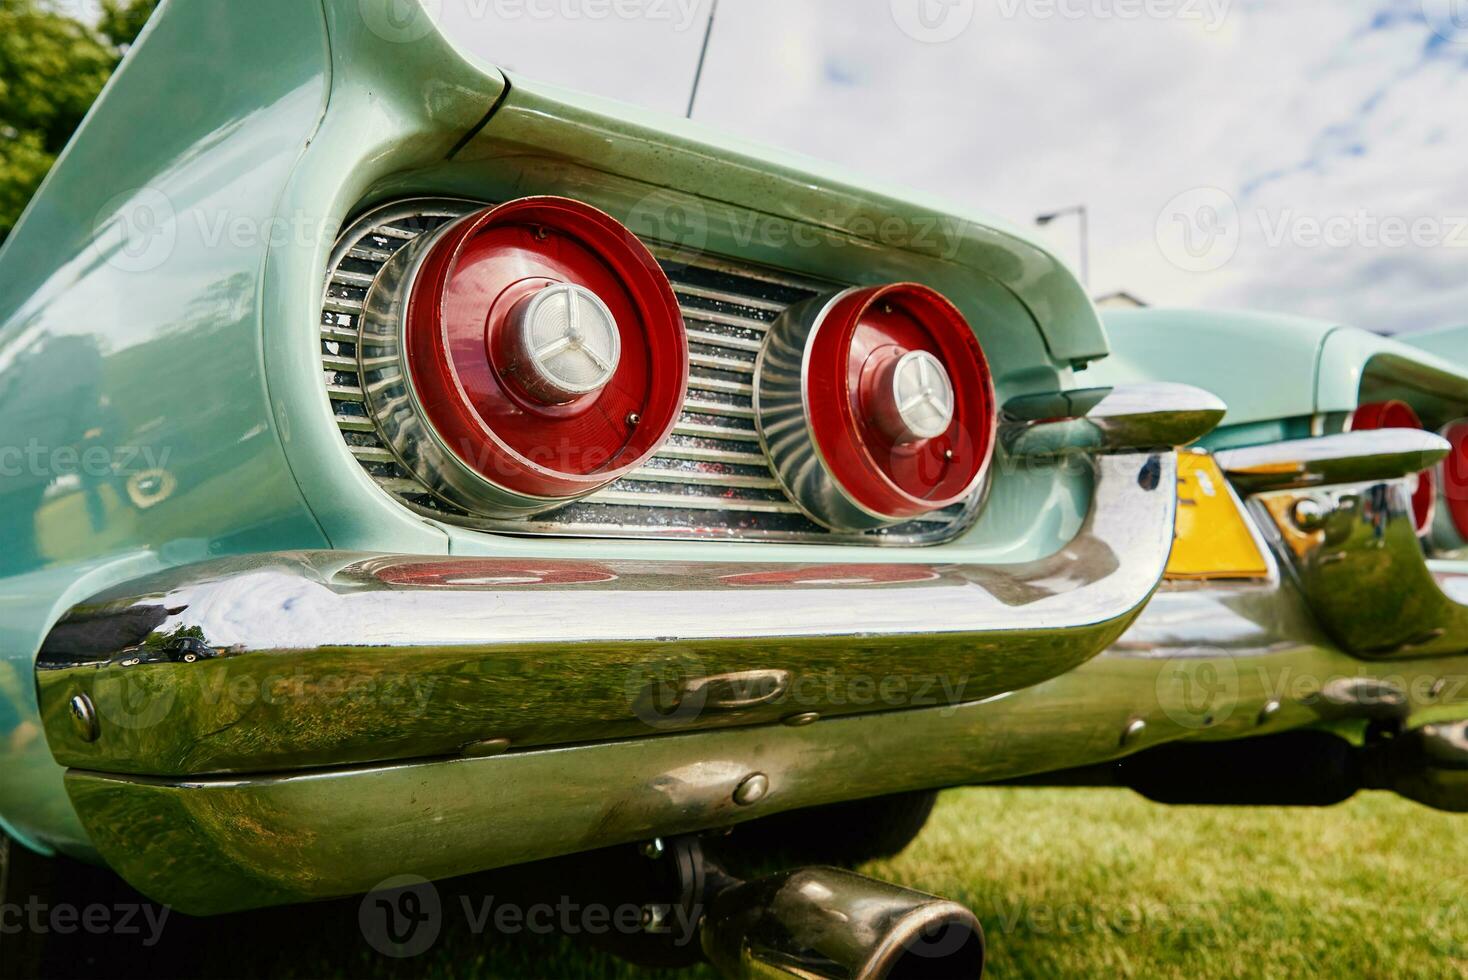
(84, 719)
(655, 918)
(487, 748)
(1267, 713)
(752, 790)
(1308, 515)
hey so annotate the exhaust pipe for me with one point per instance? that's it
(1427, 764)
(827, 923)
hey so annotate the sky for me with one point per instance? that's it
(1300, 156)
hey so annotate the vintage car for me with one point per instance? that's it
(415, 469)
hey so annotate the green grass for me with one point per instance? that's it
(1067, 883)
(1085, 882)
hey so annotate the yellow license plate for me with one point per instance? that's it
(1212, 539)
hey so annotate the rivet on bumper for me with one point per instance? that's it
(752, 790)
(485, 749)
(84, 719)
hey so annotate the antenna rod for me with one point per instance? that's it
(702, 56)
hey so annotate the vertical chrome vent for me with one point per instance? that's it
(712, 480)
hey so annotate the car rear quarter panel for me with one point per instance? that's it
(1263, 366)
(127, 353)
(696, 190)
(158, 302)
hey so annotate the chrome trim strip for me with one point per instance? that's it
(698, 406)
(732, 299)
(701, 430)
(1122, 419)
(719, 340)
(698, 479)
(701, 454)
(1352, 457)
(636, 498)
(545, 652)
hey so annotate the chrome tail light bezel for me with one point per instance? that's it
(784, 412)
(712, 480)
(395, 305)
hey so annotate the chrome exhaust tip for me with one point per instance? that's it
(828, 923)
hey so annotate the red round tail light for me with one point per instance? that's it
(876, 406)
(526, 355)
(1454, 473)
(1400, 415)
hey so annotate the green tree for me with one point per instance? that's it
(52, 67)
(122, 20)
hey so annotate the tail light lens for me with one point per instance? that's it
(876, 406)
(1400, 415)
(527, 355)
(1454, 474)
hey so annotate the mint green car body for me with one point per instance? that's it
(197, 352)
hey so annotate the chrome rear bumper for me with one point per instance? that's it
(280, 662)
(1224, 661)
(1210, 663)
(1338, 510)
(288, 727)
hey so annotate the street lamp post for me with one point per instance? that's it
(1084, 215)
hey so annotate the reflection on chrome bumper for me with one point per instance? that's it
(1215, 663)
(1340, 515)
(289, 661)
(1155, 415)
(1353, 457)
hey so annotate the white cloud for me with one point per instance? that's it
(1301, 110)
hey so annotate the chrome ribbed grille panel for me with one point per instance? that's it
(711, 480)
